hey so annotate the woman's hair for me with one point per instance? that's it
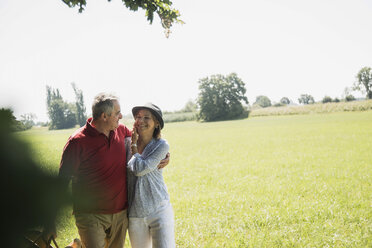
(157, 131)
(103, 103)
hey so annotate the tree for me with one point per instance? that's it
(190, 106)
(25, 123)
(220, 98)
(56, 111)
(364, 78)
(263, 101)
(326, 99)
(28, 120)
(163, 8)
(81, 116)
(10, 120)
(61, 114)
(285, 101)
(306, 99)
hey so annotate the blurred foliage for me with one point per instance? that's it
(163, 8)
(31, 197)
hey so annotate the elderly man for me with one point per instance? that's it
(94, 158)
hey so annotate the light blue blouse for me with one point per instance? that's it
(147, 191)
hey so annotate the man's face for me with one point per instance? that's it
(113, 119)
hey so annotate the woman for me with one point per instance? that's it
(151, 221)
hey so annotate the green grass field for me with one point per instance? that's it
(277, 181)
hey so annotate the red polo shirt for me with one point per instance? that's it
(97, 166)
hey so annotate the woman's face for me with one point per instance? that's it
(145, 122)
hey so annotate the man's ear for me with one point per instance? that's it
(104, 116)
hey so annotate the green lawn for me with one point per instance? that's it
(279, 181)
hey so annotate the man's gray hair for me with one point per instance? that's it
(103, 103)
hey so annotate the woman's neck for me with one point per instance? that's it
(142, 142)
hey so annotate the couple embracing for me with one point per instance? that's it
(117, 181)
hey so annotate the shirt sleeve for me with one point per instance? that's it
(70, 161)
(140, 166)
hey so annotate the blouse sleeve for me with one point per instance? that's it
(140, 166)
(127, 148)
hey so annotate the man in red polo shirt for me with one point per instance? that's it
(94, 158)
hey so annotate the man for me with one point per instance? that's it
(94, 158)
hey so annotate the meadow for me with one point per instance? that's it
(271, 181)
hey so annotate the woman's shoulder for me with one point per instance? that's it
(162, 143)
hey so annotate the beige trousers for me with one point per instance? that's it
(102, 230)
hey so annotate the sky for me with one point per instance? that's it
(279, 48)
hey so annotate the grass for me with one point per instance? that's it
(275, 181)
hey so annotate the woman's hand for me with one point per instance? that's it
(134, 135)
(134, 139)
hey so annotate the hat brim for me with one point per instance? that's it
(157, 116)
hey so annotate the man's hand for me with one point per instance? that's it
(164, 162)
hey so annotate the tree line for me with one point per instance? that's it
(220, 98)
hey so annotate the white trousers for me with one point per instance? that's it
(155, 230)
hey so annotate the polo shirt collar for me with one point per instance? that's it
(92, 130)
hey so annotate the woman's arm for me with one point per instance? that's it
(140, 166)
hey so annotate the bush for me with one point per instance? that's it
(178, 117)
(327, 99)
(350, 98)
(279, 104)
(263, 101)
(285, 101)
(314, 108)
